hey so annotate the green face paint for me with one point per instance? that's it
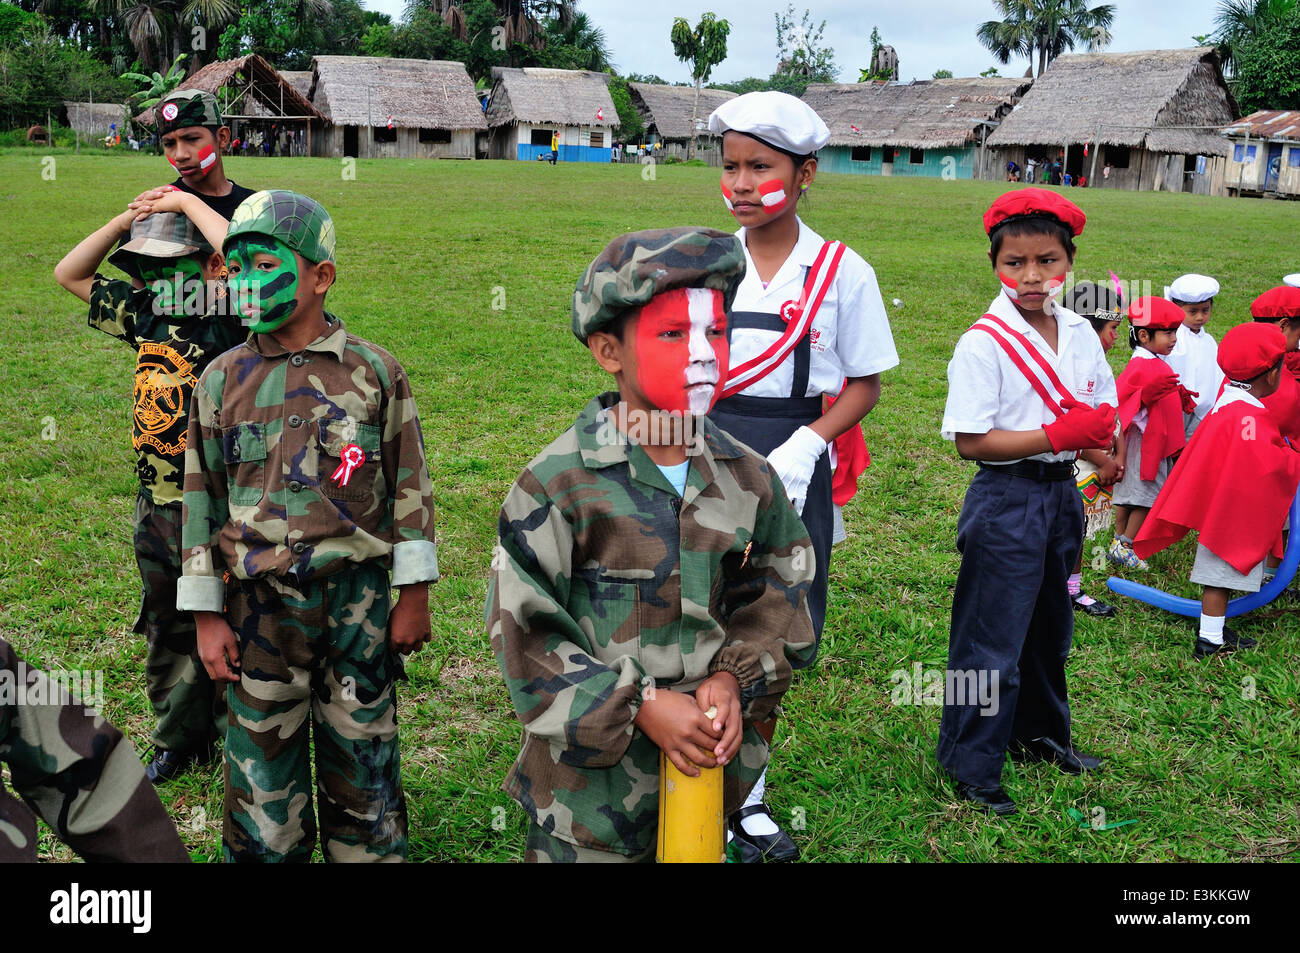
(177, 284)
(263, 280)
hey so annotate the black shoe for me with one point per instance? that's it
(1045, 749)
(1231, 642)
(169, 764)
(776, 848)
(1096, 608)
(992, 800)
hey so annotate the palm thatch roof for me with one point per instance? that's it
(561, 96)
(367, 90)
(1273, 124)
(94, 119)
(1170, 101)
(247, 87)
(299, 79)
(667, 109)
(923, 114)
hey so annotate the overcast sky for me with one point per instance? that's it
(929, 35)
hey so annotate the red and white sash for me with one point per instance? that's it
(820, 276)
(1030, 362)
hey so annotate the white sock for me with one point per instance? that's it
(1212, 628)
(758, 824)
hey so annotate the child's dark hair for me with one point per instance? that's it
(1133, 341)
(1032, 225)
(1096, 302)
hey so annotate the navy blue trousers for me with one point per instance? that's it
(1011, 617)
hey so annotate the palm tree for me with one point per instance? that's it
(523, 20)
(585, 38)
(157, 28)
(1238, 22)
(1045, 29)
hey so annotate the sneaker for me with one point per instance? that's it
(1231, 642)
(1121, 554)
(1093, 607)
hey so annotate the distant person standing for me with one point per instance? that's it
(555, 147)
(1031, 167)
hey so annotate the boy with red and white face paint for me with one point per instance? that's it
(807, 317)
(650, 567)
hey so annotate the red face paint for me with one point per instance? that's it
(726, 198)
(681, 350)
(1051, 287)
(772, 195)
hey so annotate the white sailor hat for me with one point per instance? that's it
(779, 119)
(1292, 280)
(1192, 289)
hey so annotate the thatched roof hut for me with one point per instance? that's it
(95, 119)
(667, 109)
(923, 114)
(251, 88)
(528, 106)
(299, 79)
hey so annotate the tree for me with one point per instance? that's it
(799, 49)
(631, 127)
(156, 86)
(579, 44)
(1239, 22)
(283, 32)
(991, 71)
(39, 69)
(703, 47)
(1267, 66)
(942, 74)
(1044, 29)
(158, 29)
(872, 73)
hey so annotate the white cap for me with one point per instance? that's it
(1192, 289)
(1293, 280)
(779, 119)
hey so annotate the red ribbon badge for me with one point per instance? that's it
(353, 457)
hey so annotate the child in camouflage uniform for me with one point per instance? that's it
(305, 482)
(177, 323)
(635, 572)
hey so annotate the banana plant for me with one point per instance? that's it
(156, 86)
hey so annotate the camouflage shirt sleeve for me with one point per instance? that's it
(415, 555)
(80, 775)
(205, 509)
(562, 693)
(768, 625)
(114, 305)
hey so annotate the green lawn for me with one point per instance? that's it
(425, 248)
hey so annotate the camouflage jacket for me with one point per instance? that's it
(606, 584)
(170, 358)
(300, 464)
(77, 772)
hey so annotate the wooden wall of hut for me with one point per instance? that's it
(1250, 176)
(336, 141)
(953, 163)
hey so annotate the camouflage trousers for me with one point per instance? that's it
(314, 654)
(190, 710)
(544, 848)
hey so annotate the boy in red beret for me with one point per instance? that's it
(1152, 402)
(1234, 484)
(1022, 401)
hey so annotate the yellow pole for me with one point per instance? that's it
(691, 829)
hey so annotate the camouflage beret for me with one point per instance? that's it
(299, 222)
(161, 235)
(635, 267)
(188, 107)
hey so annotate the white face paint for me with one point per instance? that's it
(702, 373)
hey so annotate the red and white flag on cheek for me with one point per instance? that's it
(772, 195)
(1051, 287)
(353, 457)
(207, 158)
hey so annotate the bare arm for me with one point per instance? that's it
(857, 400)
(1002, 444)
(210, 223)
(77, 269)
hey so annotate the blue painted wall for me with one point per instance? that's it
(530, 153)
(836, 159)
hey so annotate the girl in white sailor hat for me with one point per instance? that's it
(807, 316)
(1195, 357)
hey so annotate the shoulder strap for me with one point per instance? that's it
(820, 276)
(1043, 379)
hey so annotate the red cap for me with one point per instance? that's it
(1024, 202)
(1249, 350)
(1155, 314)
(1276, 303)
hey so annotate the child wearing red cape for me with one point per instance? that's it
(1280, 307)
(1233, 484)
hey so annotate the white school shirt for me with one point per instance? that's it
(1142, 354)
(850, 334)
(986, 391)
(1195, 359)
(1232, 395)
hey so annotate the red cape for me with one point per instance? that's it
(1234, 483)
(1284, 403)
(1164, 435)
(851, 459)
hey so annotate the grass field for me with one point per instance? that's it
(1207, 767)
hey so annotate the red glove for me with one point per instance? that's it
(1082, 429)
(1158, 388)
(1188, 398)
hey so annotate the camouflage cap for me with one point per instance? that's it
(635, 267)
(161, 235)
(188, 107)
(299, 222)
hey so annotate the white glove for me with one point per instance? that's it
(794, 461)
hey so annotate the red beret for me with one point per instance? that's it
(1024, 202)
(1155, 314)
(1249, 350)
(1280, 302)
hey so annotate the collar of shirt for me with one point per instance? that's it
(1144, 354)
(805, 251)
(1232, 394)
(603, 445)
(1067, 324)
(332, 341)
